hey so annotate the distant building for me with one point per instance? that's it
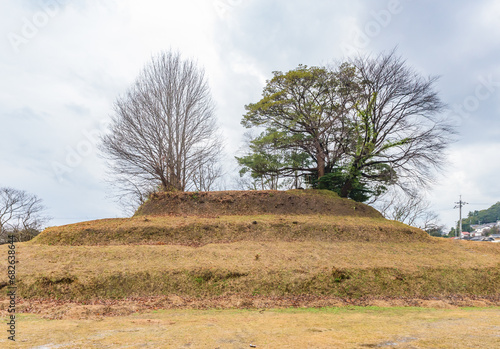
(480, 228)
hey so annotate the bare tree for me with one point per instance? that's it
(21, 214)
(409, 207)
(206, 174)
(400, 135)
(163, 132)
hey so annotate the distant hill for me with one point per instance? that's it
(489, 215)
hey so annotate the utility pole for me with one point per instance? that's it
(459, 205)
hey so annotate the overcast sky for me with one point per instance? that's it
(63, 63)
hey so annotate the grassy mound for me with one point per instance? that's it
(266, 244)
(200, 218)
(199, 231)
(291, 202)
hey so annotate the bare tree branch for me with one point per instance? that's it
(409, 207)
(405, 129)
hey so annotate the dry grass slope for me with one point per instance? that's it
(291, 202)
(198, 231)
(199, 218)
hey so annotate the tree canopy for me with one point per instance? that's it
(373, 122)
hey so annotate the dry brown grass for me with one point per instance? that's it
(260, 255)
(254, 202)
(93, 276)
(305, 256)
(345, 269)
(291, 328)
(196, 231)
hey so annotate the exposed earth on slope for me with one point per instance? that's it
(254, 202)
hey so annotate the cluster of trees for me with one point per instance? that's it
(357, 128)
(21, 214)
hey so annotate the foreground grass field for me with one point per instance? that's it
(346, 327)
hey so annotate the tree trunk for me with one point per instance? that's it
(321, 159)
(346, 188)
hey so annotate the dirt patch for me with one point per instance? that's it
(254, 202)
(59, 309)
